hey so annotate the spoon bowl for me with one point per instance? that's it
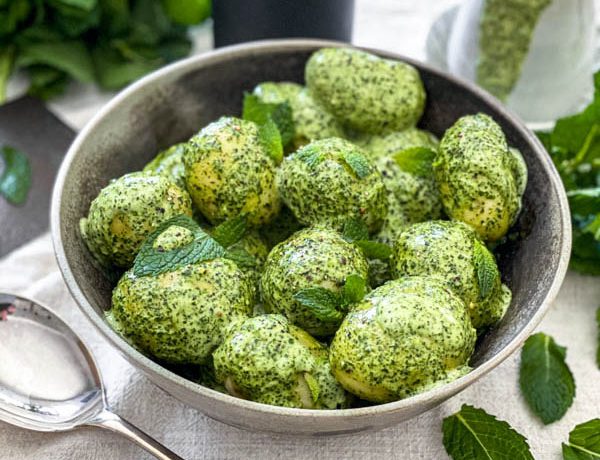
(49, 380)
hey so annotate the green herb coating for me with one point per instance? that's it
(405, 337)
(228, 172)
(181, 316)
(365, 92)
(505, 34)
(475, 172)
(268, 360)
(446, 250)
(319, 186)
(311, 258)
(126, 211)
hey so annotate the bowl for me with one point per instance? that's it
(170, 105)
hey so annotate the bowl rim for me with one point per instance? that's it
(148, 366)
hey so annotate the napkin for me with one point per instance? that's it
(32, 271)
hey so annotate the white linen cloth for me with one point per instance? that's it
(399, 25)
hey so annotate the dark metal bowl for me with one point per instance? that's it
(173, 103)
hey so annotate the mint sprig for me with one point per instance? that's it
(310, 155)
(584, 442)
(358, 163)
(473, 434)
(416, 160)
(486, 269)
(329, 306)
(545, 379)
(275, 121)
(154, 259)
(15, 180)
(355, 231)
(230, 231)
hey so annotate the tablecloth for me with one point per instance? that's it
(399, 25)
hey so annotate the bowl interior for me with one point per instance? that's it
(173, 104)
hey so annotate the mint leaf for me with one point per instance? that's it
(242, 258)
(322, 302)
(313, 386)
(261, 112)
(270, 138)
(15, 181)
(584, 442)
(354, 289)
(415, 160)
(154, 260)
(355, 229)
(486, 269)
(357, 163)
(473, 434)
(309, 155)
(374, 250)
(598, 350)
(230, 231)
(584, 201)
(545, 379)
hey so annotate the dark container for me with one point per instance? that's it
(237, 21)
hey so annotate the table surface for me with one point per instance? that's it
(397, 25)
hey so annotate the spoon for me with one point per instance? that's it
(49, 380)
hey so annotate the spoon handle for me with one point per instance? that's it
(112, 422)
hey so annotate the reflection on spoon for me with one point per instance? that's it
(48, 378)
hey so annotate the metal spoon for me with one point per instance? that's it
(49, 380)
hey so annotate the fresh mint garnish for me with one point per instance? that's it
(357, 163)
(313, 386)
(545, 379)
(473, 434)
(154, 260)
(270, 139)
(584, 442)
(181, 241)
(15, 181)
(242, 258)
(329, 306)
(574, 145)
(230, 231)
(323, 303)
(275, 121)
(355, 231)
(486, 269)
(416, 160)
(310, 155)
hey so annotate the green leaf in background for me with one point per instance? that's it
(486, 269)
(70, 57)
(374, 249)
(545, 379)
(187, 12)
(416, 160)
(473, 434)
(357, 163)
(261, 112)
(12, 14)
(230, 231)
(584, 201)
(322, 302)
(15, 180)
(46, 82)
(355, 229)
(154, 260)
(584, 442)
(598, 347)
(114, 71)
(355, 288)
(7, 55)
(270, 138)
